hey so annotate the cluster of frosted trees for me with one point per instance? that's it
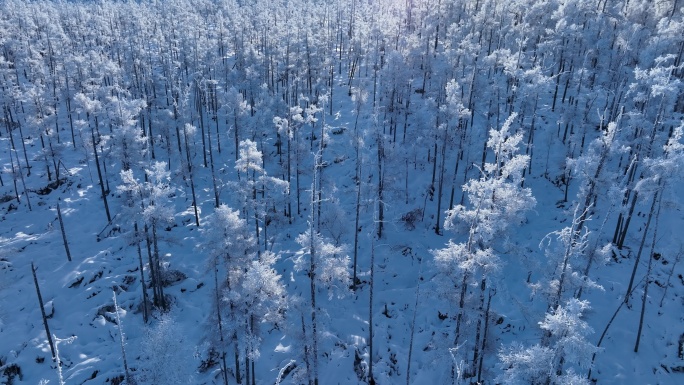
(178, 105)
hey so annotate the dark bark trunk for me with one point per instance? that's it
(142, 274)
(103, 192)
(64, 237)
(42, 311)
(641, 247)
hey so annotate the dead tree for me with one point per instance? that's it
(64, 238)
(42, 312)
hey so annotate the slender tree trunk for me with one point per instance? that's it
(64, 237)
(440, 183)
(190, 175)
(413, 324)
(381, 186)
(15, 170)
(157, 261)
(247, 377)
(641, 247)
(307, 360)
(312, 275)
(23, 182)
(644, 298)
(99, 172)
(213, 173)
(625, 227)
(371, 379)
(356, 233)
(142, 274)
(251, 328)
(669, 275)
(198, 104)
(224, 367)
(68, 108)
(42, 311)
(122, 339)
(153, 268)
(359, 162)
(485, 335)
(237, 138)
(478, 328)
(23, 145)
(238, 376)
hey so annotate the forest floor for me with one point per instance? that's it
(78, 294)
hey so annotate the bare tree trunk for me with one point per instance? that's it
(238, 376)
(478, 328)
(307, 361)
(23, 182)
(641, 247)
(312, 274)
(623, 234)
(213, 173)
(647, 281)
(486, 332)
(190, 175)
(247, 378)
(64, 237)
(42, 311)
(413, 325)
(142, 274)
(359, 162)
(122, 339)
(440, 182)
(381, 185)
(356, 232)
(224, 367)
(153, 269)
(157, 261)
(461, 306)
(199, 95)
(99, 172)
(371, 380)
(669, 276)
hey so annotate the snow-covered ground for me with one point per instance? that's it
(414, 314)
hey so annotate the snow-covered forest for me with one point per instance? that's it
(341, 192)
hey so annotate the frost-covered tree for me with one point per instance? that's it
(128, 138)
(92, 107)
(566, 251)
(151, 201)
(257, 189)
(249, 292)
(573, 250)
(560, 361)
(167, 355)
(454, 111)
(230, 247)
(261, 300)
(660, 172)
(496, 201)
(327, 267)
(58, 360)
